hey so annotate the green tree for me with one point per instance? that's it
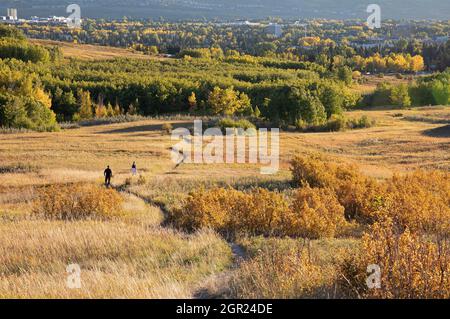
(332, 99)
(345, 74)
(26, 112)
(400, 95)
(85, 105)
(441, 92)
(64, 104)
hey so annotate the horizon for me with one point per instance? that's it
(233, 10)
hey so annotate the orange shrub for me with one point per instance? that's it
(314, 170)
(77, 201)
(412, 266)
(316, 213)
(210, 209)
(420, 201)
(229, 211)
(267, 214)
(361, 196)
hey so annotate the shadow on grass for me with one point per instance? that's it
(443, 131)
(145, 128)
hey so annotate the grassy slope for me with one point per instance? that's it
(136, 257)
(94, 52)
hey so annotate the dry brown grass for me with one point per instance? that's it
(132, 256)
(373, 80)
(94, 52)
(286, 268)
(117, 260)
(395, 145)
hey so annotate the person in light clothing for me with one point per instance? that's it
(134, 169)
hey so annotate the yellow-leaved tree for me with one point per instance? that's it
(228, 101)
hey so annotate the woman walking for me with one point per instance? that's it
(134, 169)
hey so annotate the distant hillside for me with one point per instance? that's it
(94, 52)
(233, 9)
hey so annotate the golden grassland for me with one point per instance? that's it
(372, 81)
(94, 52)
(135, 254)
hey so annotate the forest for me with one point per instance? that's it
(39, 85)
(322, 41)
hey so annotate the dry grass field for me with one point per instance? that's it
(93, 52)
(136, 254)
(373, 80)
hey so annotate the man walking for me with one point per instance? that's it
(108, 175)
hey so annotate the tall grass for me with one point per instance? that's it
(117, 260)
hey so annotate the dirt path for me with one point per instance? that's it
(208, 289)
(125, 190)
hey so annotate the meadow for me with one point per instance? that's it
(140, 246)
(363, 186)
(93, 52)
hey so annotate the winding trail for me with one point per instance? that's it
(238, 252)
(124, 189)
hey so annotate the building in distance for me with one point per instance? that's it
(274, 29)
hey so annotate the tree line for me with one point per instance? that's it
(36, 93)
(316, 41)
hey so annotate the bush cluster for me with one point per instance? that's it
(330, 197)
(411, 265)
(230, 211)
(336, 123)
(77, 202)
(313, 213)
(244, 124)
(418, 201)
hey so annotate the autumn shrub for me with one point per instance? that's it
(360, 195)
(313, 213)
(76, 202)
(316, 213)
(206, 209)
(411, 265)
(420, 201)
(362, 198)
(313, 170)
(259, 212)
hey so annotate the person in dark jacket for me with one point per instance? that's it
(108, 174)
